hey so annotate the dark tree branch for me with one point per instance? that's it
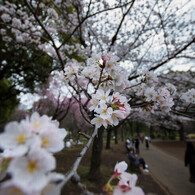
(173, 55)
(114, 38)
(85, 18)
(44, 29)
(168, 59)
(141, 31)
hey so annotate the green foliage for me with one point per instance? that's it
(152, 136)
(8, 101)
(26, 68)
(172, 135)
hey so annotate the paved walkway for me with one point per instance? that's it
(168, 171)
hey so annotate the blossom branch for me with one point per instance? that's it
(76, 164)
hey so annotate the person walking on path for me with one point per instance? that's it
(190, 160)
(147, 142)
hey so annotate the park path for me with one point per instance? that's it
(168, 171)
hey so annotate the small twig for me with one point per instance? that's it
(133, 86)
(84, 135)
(99, 82)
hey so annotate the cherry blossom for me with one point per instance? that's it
(29, 172)
(110, 108)
(120, 167)
(189, 96)
(127, 185)
(16, 139)
(29, 145)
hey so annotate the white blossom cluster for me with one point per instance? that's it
(106, 66)
(21, 27)
(109, 109)
(71, 71)
(30, 145)
(189, 96)
(127, 181)
(155, 97)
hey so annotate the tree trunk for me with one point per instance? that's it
(151, 130)
(116, 135)
(131, 129)
(137, 129)
(181, 132)
(122, 132)
(94, 173)
(109, 133)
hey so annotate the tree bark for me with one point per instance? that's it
(151, 130)
(109, 133)
(94, 173)
(122, 132)
(181, 131)
(131, 128)
(137, 129)
(116, 135)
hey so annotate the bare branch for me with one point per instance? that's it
(114, 38)
(88, 10)
(174, 55)
(85, 18)
(141, 31)
(84, 135)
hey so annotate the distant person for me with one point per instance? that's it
(142, 139)
(136, 142)
(147, 142)
(190, 159)
(68, 144)
(137, 161)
